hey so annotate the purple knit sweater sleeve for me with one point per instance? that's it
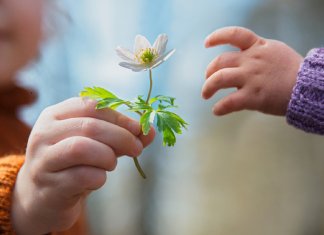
(306, 107)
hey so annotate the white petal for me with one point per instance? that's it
(125, 54)
(162, 58)
(160, 43)
(134, 67)
(141, 43)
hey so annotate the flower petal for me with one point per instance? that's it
(162, 58)
(134, 67)
(141, 43)
(160, 44)
(125, 54)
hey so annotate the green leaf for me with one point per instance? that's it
(169, 123)
(164, 107)
(97, 93)
(112, 103)
(145, 121)
(140, 100)
(169, 137)
(140, 107)
(162, 98)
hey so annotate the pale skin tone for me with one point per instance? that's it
(70, 149)
(264, 72)
(72, 145)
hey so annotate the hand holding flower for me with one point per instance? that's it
(145, 57)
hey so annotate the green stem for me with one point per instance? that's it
(138, 112)
(139, 168)
(137, 164)
(151, 86)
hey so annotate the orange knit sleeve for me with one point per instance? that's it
(9, 167)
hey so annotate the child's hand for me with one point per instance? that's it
(264, 72)
(69, 151)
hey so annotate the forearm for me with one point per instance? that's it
(306, 107)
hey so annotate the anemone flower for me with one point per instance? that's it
(145, 56)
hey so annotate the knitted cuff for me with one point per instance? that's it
(306, 107)
(9, 167)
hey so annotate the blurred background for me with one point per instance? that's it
(246, 173)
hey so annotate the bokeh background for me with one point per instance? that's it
(246, 173)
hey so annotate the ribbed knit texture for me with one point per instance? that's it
(9, 167)
(306, 107)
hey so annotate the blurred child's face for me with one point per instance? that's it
(20, 33)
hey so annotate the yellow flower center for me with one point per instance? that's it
(146, 56)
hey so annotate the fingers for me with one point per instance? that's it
(122, 141)
(236, 36)
(224, 78)
(78, 107)
(80, 151)
(76, 181)
(225, 60)
(234, 102)
(147, 139)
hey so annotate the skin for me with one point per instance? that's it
(20, 34)
(72, 145)
(264, 72)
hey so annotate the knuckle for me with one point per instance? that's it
(219, 60)
(253, 69)
(121, 119)
(89, 104)
(88, 126)
(36, 136)
(257, 56)
(77, 146)
(257, 90)
(234, 31)
(261, 41)
(220, 77)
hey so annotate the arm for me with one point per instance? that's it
(306, 107)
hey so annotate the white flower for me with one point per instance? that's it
(145, 56)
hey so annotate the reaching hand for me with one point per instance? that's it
(264, 72)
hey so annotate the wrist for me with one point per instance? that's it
(22, 210)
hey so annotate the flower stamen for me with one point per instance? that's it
(146, 56)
